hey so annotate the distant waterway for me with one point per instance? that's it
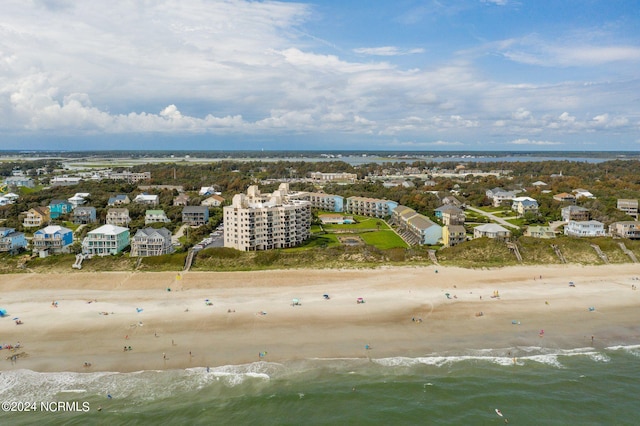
(354, 160)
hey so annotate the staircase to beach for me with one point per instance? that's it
(432, 256)
(514, 248)
(189, 260)
(556, 249)
(628, 252)
(603, 256)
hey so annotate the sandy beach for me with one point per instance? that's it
(173, 321)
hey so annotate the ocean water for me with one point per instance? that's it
(529, 385)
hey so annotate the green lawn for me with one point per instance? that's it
(318, 240)
(385, 239)
(362, 223)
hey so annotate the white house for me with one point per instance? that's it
(149, 199)
(107, 239)
(583, 193)
(79, 199)
(207, 190)
(584, 228)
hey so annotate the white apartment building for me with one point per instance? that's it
(333, 177)
(258, 221)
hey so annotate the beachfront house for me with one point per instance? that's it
(538, 231)
(149, 199)
(52, 239)
(58, 208)
(151, 242)
(12, 241)
(107, 239)
(195, 215)
(575, 213)
(118, 200)
(628, 206)
(491, 230)
(36, 216)
(118, 217)
(84, 215)
(586, 228)
(625, 229)
(453, 235)
(155, 216)
(213, 201)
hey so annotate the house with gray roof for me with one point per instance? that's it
(151, 242)
(491, 230)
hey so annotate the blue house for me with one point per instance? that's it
(84, 215)
(11, 241)
(59, 207)
(52, 239)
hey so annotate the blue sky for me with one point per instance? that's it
(326, 75)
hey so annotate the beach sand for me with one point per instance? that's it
(406, 313)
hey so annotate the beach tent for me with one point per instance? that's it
(3, 312)
(295, 302)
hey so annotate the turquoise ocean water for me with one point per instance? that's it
(583, 386)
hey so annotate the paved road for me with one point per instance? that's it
(493, 217)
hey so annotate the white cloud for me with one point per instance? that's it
(237, 67)
(574, 50)
(387, 51)
(496, 2)
(521, 114)
(533, 142)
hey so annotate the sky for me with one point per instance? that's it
(417, 75)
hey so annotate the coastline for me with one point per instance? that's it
(169, 324)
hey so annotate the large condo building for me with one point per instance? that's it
(256, 221)
(320, 200)
(369, 206)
